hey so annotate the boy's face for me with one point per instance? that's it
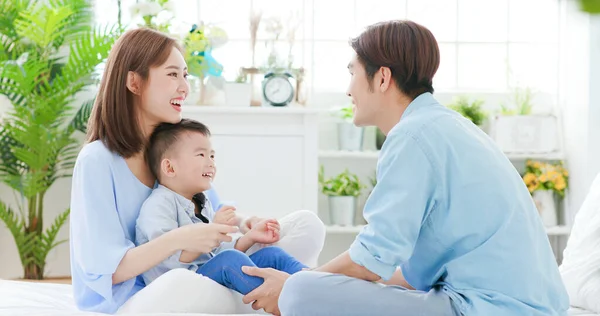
(193, 163)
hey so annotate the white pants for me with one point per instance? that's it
(184, 291)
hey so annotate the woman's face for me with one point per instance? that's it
(165, 91)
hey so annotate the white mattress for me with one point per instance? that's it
(46, 299)
(580, 312)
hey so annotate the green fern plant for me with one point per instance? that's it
(343, 184)
(471, 110)
(49, 51)
(522, 103)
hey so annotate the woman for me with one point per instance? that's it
(144, 84)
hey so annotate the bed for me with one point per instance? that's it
(18, 298)
(47, 299)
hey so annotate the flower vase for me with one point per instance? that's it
(544, 201)
(201, 91)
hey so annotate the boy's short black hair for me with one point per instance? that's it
(164, 136)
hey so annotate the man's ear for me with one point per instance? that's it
(134, 83)
(385, 78)
(167, 168)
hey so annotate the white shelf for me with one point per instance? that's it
(548, 156)
(349, 154)
(335, 229)
(200, 109)
(558, 230)
(373, 155)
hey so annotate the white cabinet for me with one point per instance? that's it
(267, 157)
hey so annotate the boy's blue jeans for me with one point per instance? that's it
(226, 267)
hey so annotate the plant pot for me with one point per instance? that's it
(532, 134)
(238, 94)
(350, 137)
(342, 210)
(544, 201)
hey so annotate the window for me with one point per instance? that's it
(486, 46)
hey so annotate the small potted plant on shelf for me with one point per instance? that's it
(350, 136)
(545, 182)
(238, 92)
(472, 110)
(517, 130)
(342, 191)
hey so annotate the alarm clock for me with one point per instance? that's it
(278, 89)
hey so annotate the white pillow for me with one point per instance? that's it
(184, 291)
(580, 269)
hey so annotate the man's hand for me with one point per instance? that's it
(264, 232)
(226, 216)
(266, 296)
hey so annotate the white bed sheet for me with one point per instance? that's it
(47, 299)
(580, 312)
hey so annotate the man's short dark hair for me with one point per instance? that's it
(408, 49)
(165, 136)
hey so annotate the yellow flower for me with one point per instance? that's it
(529, 163)
(529, 178)
(544, 178)
(553, 174)
(560, 184)
(533, 187)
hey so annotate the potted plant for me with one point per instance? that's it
(472, 110)
(545, 182)
(517, 130)
(238, 92)
(342, 192)
(350, 136)
(37, 143)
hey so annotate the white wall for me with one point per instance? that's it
(594, 101)
(579, 97)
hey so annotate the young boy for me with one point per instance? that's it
(182, 160)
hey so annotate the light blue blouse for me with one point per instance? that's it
(106, 198)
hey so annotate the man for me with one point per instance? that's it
(452, 229)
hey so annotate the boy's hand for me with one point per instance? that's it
(249, 222)
(264, 232)
(225, 215)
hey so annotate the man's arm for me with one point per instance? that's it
(405, 194)
(343, 264)
(398, 279)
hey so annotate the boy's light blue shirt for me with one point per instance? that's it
(106, 198)
(163, 211)
(450, 209)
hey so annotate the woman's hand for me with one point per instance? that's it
(266, 296)
(202, 237)
(193, 240)
(226, 215)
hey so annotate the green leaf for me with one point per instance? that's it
(80, 120)
(49, 53)
(590, 6)
(344, 184)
